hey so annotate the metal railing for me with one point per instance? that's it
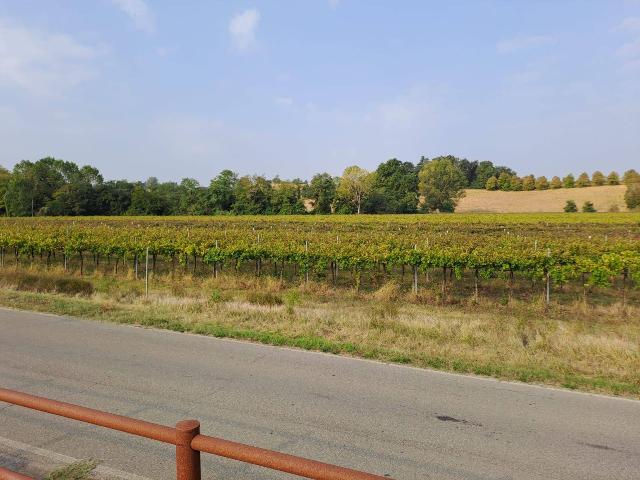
(6, 474)
(188, 441)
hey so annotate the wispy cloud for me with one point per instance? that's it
(630, 49)
(334, 3)
(629, 52)
(284, 101)
(43, 63)
(242, 29)
(630, 24)
(522, 43)
(139, 12)
(413, 110)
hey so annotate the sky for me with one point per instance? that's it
(170, 89)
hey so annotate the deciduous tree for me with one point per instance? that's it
(441, 184)
(632, 196)
(569, 181)
(542, 183)
(322, 190)
(529, 183)
(630, 176)
(583, 180)
(597, 178)
(354, 185)
(613, 178)
(492, 183)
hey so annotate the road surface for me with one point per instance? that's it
(399, 421)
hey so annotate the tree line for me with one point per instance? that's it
(51, 186)
(510, 182)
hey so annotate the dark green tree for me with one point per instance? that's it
(286, 198)
(222, 191)
(322, 190)
(467, 167)
(113, 197)
(252, 196)
(192, 198)
(484, 171)
(587, 207)
(33, 184)
(152, 198)
(395, 188)
(570, 207)
(5, 176)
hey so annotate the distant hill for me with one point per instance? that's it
(603, 198)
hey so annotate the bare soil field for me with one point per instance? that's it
(603, 198)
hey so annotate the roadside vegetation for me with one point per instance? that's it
(81, 470)
(591, 346)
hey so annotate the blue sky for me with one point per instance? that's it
(186, 89)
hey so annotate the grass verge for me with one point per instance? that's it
(590, 349)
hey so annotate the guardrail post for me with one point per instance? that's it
(187, 459)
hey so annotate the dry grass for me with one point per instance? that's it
(591, 347)
(603, 198)
(75, 471)
(389, 292)
(46, 282)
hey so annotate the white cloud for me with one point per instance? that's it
(630, 49)
(631, 65)
(189, 136)
(139, 12)
(284, 101)
(334, 3)
(242, 29)
(630, 55)
(629, 52)
(522, 43)
(630, 23)
(42, 63)
(413, 111)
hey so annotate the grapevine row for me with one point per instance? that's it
(595, 252)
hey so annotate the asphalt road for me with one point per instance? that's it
(404, 422)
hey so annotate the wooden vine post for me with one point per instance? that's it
(146, 274)
(548, 289)
(415, 275)
(306, 270)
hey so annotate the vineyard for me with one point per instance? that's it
(549, 251)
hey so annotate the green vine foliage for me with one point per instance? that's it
(596, 247)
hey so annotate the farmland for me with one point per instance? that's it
(605, 198)
(591, 249)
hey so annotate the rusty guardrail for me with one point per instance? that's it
(6, 474)
(188, 441)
